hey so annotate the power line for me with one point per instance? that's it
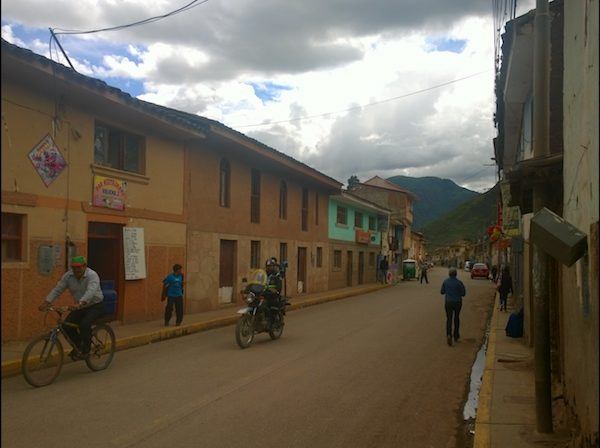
(307, 117)
(187, 7)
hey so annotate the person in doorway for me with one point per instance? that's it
(84, 285)
(173, 293)
(505, 287)
(383, 267)
(454, 290)
(424, 268)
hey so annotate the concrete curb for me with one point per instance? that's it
(13, 368)
(483, 419)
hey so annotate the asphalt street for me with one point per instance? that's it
(367, 371)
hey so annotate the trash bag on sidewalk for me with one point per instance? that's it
(514, 326)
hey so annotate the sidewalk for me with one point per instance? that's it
(506, 410)
(142, 333)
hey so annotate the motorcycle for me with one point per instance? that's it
(258, 316)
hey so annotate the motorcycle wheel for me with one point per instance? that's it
(244, 331)
(277, 329)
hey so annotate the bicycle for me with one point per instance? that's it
(44, 356)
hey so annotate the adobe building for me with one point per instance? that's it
(86, 169)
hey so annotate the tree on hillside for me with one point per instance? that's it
(352, 181)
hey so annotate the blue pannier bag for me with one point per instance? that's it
(514, 326)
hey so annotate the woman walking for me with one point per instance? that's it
(505, 287)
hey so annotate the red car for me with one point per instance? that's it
(480, 270)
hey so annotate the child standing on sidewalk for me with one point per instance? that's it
(173, 293)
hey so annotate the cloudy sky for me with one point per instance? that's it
(347, 86)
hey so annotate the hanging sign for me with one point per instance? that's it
(109, 193)
(47, 160)
(134, 252)
(363, 237)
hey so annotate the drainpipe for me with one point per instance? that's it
(541, 120)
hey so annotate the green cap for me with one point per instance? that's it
(79, 260)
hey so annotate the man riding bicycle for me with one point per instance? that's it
(84, 285)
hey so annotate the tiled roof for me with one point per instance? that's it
(379, 182)
(177, 117)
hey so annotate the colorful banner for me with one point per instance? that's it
(363, 237)
(109, 193)
(47, 160)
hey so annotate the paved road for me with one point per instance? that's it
(368, 371)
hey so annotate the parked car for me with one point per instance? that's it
(480, 270)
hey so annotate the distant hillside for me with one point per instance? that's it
(468, 221)
(436, 197)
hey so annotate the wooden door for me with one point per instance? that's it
(349, 269)
(105, 256)
(226, 271)
(361, 267)
(302, 270)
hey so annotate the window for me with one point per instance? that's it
(341, 215)
(255, 254)
(337, 259)
(316, 208)
(119, 149)
(283, 252)
(358, 220)
(12, 237)
(224, 182)
(283, 200)
(372, 223)
(255, 196)
(371, 258)
(319, 257)
(305, 209)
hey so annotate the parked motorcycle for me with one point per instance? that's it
(258, 317)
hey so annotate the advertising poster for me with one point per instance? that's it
(47, 160)
(109, 193)
(134, 253)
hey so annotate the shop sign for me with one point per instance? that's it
(47, 160)
(109, 193)
(511, 220)
(363, 237)
(134, 252)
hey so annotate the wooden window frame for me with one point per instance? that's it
(305, 209)
(316, 208)
(343, 222)
(255, 250)
(122, 134)
(356, 215)
(255, 196)
(225, 183)
(336, 263)
(9, 238)
(283, 252)
(282, 200)
(372, 223)
(319, 257)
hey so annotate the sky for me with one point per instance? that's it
(345, 86)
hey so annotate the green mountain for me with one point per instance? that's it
(435, 197)
(468, 221)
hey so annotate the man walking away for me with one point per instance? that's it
(454, 291)
(384, 266)
(424, 273)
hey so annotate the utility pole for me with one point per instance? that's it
(541, 148)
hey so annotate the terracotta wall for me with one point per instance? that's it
(338, 276)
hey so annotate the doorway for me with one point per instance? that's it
(302, 270)
(349, 269)
(105, 256)
(227, 259)
(361, 267)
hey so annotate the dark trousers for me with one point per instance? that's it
(178, 302)
(452, 313)
(424, 276)
(503, 297)
(84, 318)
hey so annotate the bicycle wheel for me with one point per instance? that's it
(42, 360)
(102, 349)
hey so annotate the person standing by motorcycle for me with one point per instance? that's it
(273, 289)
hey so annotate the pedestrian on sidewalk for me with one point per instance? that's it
(504, 287)
(383, 267)
(173, 293)
(454, 291)
(424, 273)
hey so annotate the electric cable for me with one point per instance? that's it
(375, 103)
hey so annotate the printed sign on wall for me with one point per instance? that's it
(134, 252)
(109, 193)
(47, 160)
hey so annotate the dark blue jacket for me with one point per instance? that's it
(454, 290)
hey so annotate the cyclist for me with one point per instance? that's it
(84, 285)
